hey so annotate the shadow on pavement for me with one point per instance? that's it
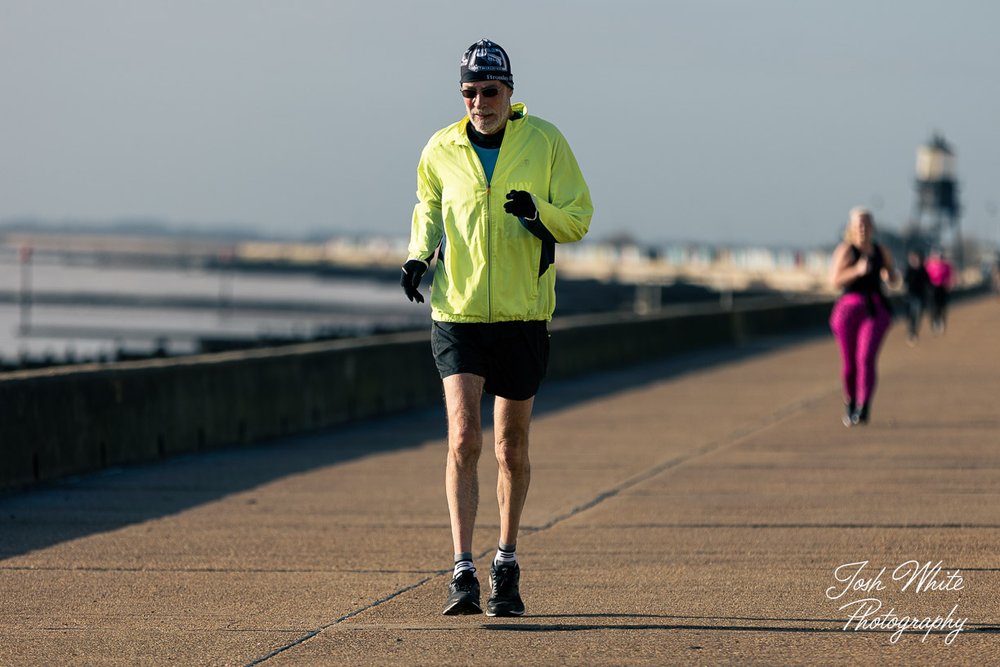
(111, 499)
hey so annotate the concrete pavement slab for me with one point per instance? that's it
(692, 511)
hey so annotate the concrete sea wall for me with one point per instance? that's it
(60, 422)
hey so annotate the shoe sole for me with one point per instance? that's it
(506, 614)
(503, 612)
(462, 608)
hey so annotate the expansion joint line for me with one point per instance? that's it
(312, 633)
(729, 440)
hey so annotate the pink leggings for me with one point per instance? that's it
(860, 336)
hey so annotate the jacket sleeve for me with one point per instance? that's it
(427, 225)
(566, 214)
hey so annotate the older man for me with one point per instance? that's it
(496, 191)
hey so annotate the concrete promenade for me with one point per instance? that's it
(693, 512)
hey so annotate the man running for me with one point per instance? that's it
(496, 191)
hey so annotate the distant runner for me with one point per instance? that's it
(862, 315)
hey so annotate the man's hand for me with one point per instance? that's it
(413, 271)
(519, 203)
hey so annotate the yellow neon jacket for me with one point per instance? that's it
(488, 267)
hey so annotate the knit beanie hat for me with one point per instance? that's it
(486, 61)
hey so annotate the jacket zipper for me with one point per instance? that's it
(489, 236)
(489, 254)
(489, 229)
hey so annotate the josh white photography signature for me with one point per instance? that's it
(854, 579)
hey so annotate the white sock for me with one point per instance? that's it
(505, 554)
(463, 563)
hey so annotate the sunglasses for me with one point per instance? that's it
(470, 93)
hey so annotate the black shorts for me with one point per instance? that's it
(511, 356)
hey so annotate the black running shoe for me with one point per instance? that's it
(505, 599)
(463, 595)
(849, 414)
(861, 417)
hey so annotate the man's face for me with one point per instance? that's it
(487, 114)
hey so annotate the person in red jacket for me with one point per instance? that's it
(941, 275)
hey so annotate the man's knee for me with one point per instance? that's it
(465, 444)
(512, 453)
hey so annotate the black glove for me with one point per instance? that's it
(413, 271)
(519, 203)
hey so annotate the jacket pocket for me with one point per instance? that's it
(516, 276)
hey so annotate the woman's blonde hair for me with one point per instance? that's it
(859, 211)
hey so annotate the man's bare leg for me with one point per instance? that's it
(511, 422)
(463, 393)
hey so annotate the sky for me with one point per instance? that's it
(725, 121)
